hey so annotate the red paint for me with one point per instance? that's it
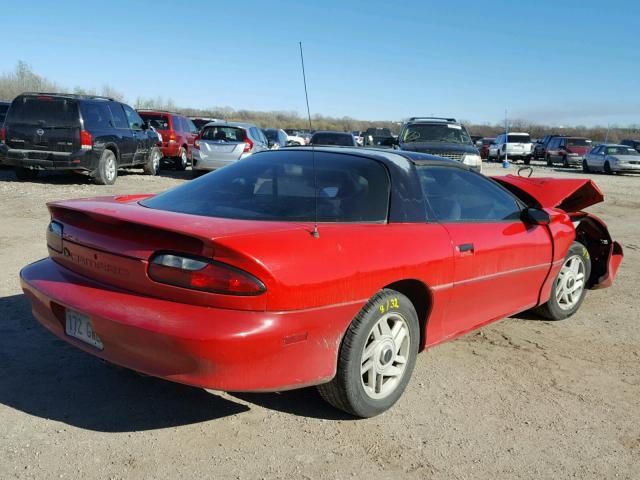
(289, 335)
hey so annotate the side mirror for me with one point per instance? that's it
(535, 216)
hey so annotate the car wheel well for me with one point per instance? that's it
(596, 239)
(113, 149)
(420, 297)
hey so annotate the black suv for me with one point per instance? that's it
(635, 144)
(50, 131)
(444, 137)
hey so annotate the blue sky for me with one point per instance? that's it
(569, 62)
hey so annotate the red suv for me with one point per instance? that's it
(178, 134)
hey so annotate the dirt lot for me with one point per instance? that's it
(522, 398)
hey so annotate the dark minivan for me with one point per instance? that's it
(45, 131)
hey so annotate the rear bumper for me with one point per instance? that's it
(208, 163)
(39, 160)
(208, 347)
(170, 149)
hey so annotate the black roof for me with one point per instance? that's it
(69, 95)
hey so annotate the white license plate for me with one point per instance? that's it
(78, 325)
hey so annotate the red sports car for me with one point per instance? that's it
(226, 283)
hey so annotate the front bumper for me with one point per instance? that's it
(39, 160)
(625, 167)
(214, 348)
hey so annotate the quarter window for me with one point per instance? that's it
(134, 119)
(458, 195)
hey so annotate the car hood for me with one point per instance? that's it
(568, 194)
(435, 147)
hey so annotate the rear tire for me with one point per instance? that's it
(569, 287)
(152, 167)
(376, 356)
(182, 161)
(607, 169)
(549, 162)
(585, 166)
(565, 162)
(107, 171)
(527, 160)
(23, 173)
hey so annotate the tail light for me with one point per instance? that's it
(196, 142)
(203, 274)
(86, 141)
(3, 134)
(172, 137)
(248, 143)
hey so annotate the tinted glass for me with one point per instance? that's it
(44, 111)
(457, 195)
(554, 143)
(271, 134)
(192, 127)
(435, 132)
(184, 125)
(578, 142)
(117, 113)
(159, 122)
(223, 134)
(132, 116)
(280, 186)
(519, 139)
(96, 115)
(341, 139)
(3, 112)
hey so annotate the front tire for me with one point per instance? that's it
(376, 356)
(549, 162)
(107, 170)
(565, 162)
(569, 287)
(585, 166)
(152, 167)
(607, 168)
(23, 173)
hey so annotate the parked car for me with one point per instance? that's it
(476, 139)
(255, 277)
(276, 137)
(484, 146)
(200, 122)
(178, 135)
(568, 150)
(53, 131)
(4, 106)
(635, 144)
(295, 138)
(540, 147)
(223, 143)
(514, 145)
(344, 139)
(378, 137)
(444, 137)
(611, 158)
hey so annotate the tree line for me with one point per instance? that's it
(24, 79)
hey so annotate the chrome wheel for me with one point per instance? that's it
(110, 168)
(570, 282)
(155, 161)
(384, 356)
(183, 158)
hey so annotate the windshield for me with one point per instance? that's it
(517, 138)
(621, 151)
(271, 134)
(341, 139)
(436, 132)
(44, 111)
(279, 186)
(224, 134)
(159, 122)
(578, 142)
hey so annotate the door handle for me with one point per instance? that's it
(465, 247)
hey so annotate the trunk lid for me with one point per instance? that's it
(568, 194)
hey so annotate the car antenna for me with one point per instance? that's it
(314, 233)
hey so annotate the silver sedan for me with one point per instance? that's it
(609, 158)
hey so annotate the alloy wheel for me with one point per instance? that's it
(570, 282)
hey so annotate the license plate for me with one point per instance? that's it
(78, 325)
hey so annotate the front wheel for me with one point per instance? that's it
(549, 162)
(585, 166)
(607, 169)
(182, 161)
(527, 160)
(565, 162)
(569, 287)
(376, 356)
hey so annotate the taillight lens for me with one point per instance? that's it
(196, 142)
(172, 137)
(203, 274)
(248, 143)
(3, 134)
(85, 139)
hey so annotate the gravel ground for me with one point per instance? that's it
(522, 398)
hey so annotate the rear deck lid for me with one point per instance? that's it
(568, 194)
(43, 122)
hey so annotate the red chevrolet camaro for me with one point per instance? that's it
(226, 283)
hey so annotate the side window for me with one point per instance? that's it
(185, 126)
(132, 116)
(119, 118)
(563, 142)
(457, 195)
(177, 124)
(192, 127)
(552, 143)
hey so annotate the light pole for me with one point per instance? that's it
(505, 162)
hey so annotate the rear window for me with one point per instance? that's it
(345, 140)
(159, 122)
(519, 139)
(578, 142)
(3, 112)
(224, 134)
(45, 111)
(279, 186)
